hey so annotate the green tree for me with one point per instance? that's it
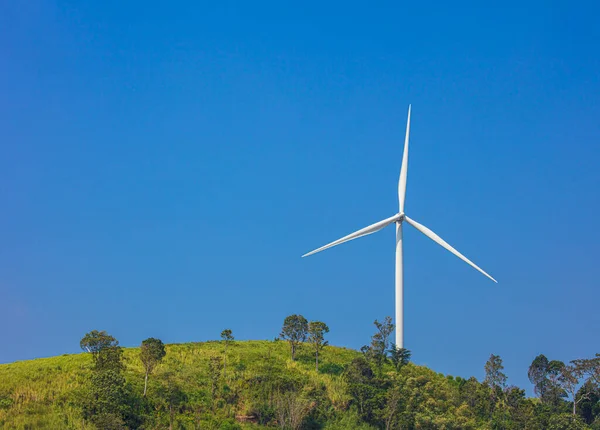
(105, 350)
(227, 338)
(588, 399)
(538, 375)
(494, 376)
(316, 337)
(368, 396)
(555, 392)
(102, 346)
(400, 357)
(106, 399)
(152, 352)
(295, 328)
(569, 382)
(391, 413)
(380, 341)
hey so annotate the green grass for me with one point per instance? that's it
(43, 393)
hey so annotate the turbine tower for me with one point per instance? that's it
(398, 219)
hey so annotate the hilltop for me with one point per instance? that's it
(261, 387)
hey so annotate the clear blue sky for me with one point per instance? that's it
(163, 167)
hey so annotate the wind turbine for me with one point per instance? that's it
(398, 219)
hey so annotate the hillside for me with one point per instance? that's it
(261, 387)
(42, 393)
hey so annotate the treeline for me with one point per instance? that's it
(377, 389)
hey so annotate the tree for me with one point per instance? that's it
(494, 376)
(106, 399)
(380, 341)
(400, 356)
(569, 381)
(152, 352)
(227, 337)
(538, 375)
(110, 359)
(588, 398)
(316, 336)
(394, 404)
(295, 328)
(555, 392)
(96, 341)
(364, 388)
(291, 409)
(105, 350)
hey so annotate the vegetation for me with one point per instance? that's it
(295, 330)
(316, 337)
(152, 352)
(227, 338)
(108, 387)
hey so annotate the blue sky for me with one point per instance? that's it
(163, 167)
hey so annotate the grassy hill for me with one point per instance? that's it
(42, 393)
(261, 387)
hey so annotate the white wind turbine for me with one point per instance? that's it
(398, 219)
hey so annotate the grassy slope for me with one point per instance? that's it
(41, 393)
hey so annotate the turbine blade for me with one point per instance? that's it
(404, 168)
(431, 235)
(360, 233)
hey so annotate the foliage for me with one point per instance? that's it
(264, 389)
(316, 337)
(295, 330)
(494, 376)
(152, 352)
(105, 350)
(227, 336)
(538, 375)
(380, 342)
(399, 357)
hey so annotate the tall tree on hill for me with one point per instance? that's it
(555, 392)
(380, 342)
(316, 337)
(544, 375)
(295, 328)
(105, 350)
(105, 401)
(538, 375)
(400, 357)
(95, 341)
(569, 381)
(494, 377)
(227, 338)
(152, 352)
